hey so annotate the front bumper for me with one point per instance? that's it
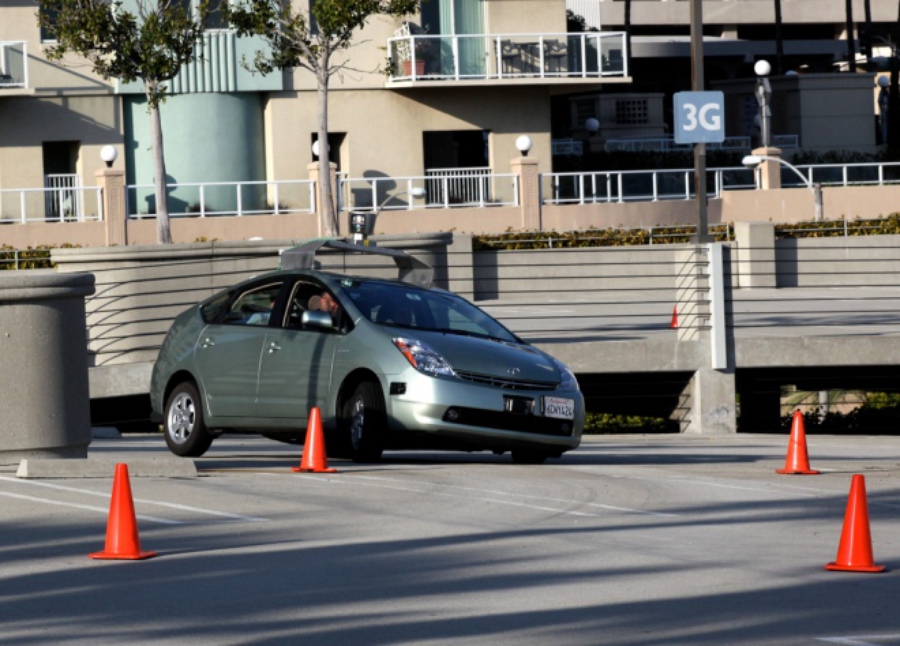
(477, 414)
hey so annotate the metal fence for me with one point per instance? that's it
(634, 186)
(210, 199)
(444, 188)
(467, 57)
(56, 204)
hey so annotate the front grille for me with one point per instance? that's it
(507, 383)
(509, 421)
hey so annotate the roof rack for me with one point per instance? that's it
(409, 269)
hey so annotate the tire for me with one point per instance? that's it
(529, 456)
(184, 427)
(363, 422)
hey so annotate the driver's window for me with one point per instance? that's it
(254, 307)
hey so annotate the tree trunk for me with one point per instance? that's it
(851, 41)
(163, 230)
(327, 214)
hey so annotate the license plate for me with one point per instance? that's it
(559, 407)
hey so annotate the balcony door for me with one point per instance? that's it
(458, 18)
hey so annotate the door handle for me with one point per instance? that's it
(207, 343)
(274, 347)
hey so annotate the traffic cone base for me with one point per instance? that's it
(797, 461)
(855, 549)
(314, 459)
(122, 541)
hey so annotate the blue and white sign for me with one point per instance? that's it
(699, 117)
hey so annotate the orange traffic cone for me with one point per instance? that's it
(797, 462)
(674, 323)
(855, 550)
(122, 540)
(314, 459)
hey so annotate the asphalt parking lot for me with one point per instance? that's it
(628, 540)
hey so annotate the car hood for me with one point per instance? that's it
(499, 359)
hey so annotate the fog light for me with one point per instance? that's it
(451, 415)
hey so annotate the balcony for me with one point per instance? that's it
(13, 65)
(506, 58)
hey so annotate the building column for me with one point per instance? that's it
(529, 191)
(115, 215)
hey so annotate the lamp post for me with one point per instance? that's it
(362, 223)
(108, 154)
(764, 97)
(753, 161)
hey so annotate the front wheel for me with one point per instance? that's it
(364, 420)
(185, 430)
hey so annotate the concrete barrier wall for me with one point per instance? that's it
(837, 262)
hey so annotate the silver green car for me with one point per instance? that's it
(390, 365)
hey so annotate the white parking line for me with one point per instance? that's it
(859, 640)
(102, 510)
(144, 501)
(488, 492)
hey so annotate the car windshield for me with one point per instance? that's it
(422, 309)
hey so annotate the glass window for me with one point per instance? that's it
(254, 306)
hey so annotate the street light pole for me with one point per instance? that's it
(697, 83)
(752, 161)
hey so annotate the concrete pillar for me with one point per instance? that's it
(769, 171)
(313, 170)
(43, 350)
(708, 403)
(755, 254)
(115, 215)
(529, 191)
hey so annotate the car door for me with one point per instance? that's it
(229, 349)
(296, 364)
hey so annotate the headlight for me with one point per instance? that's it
(423, 358)
(568, 377)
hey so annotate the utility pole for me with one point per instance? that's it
(697, 83)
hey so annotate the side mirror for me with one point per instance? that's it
(321, 320)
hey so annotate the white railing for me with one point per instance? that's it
(864, 174)
(207, 199)
(667, 144)
(13, 64)
(507, 56)
(638, 186)
(566, 147)
(587, 9)
(68, 204)
(64, 200)
(393, 193)
(458, 185)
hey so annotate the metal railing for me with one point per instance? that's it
(507, 56)
(632, 186)
(667, 144)
(441, 191)
(61, 204)
(862, 174)
(13, 64)
(64, 200)
(458, 185)
(208, 199)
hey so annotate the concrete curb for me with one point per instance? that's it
(166, 467)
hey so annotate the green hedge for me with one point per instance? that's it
(29, 258)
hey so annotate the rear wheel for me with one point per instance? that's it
(185, 430)
(363, 422)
